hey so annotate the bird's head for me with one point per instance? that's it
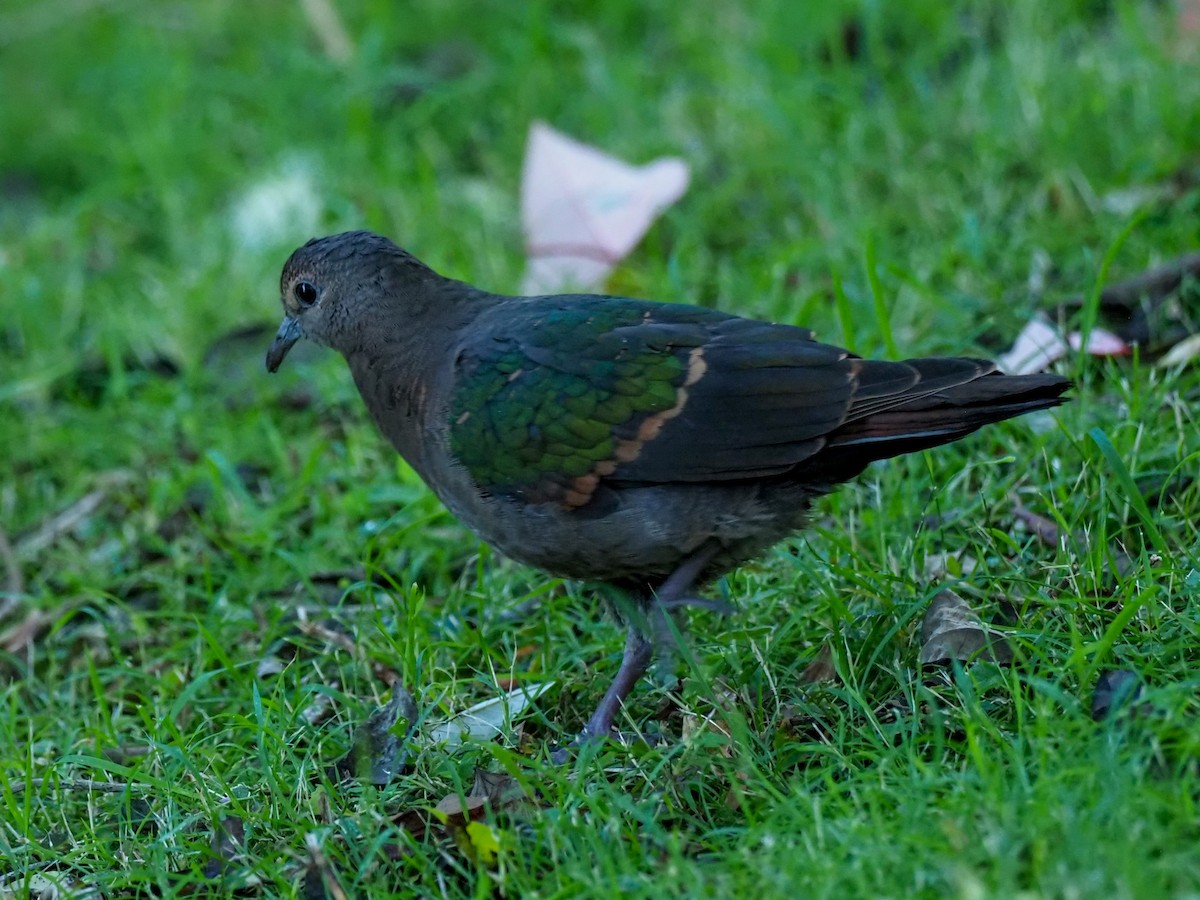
(329, 284)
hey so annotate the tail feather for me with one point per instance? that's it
(959, 397)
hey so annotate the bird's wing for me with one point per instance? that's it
(551, 399)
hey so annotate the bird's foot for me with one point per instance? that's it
(560, 756)
(718, 606)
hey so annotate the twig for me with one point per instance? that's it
(60, 523)
(1154, 284)
(318, 864)
(22, 634)
(15, 584)
(78, 784)
(1047, 530)
(325, 22)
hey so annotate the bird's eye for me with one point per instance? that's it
(305, 293)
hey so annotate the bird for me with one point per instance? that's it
(647, 446)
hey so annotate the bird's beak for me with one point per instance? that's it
(288, 334)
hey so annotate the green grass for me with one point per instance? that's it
(894, 198)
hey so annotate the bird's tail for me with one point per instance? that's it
(950, 399)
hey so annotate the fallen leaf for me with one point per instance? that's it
(1182, 353)
(51, 885)
(268, 666)
(228, 844)
(1156, 308)
(821, 668)
(486, 720)
(952, 631)
(1037, 346)
(329, 630)
(282, 206)
(1117, 690)
(500, 788)
(583, 210)
(485, 841)
(491, 790)
(1128, 200)
(1100, 343)
(376, 754)
(954, 563)
(1040, 344)
(453, 809)
(319, 879)
(1048, 532)
(319, 709)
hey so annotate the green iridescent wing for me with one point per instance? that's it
(553, 398)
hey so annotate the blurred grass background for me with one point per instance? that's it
(158, 161)
(959, 139)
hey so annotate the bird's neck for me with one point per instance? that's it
(392, 380)
(404, 366)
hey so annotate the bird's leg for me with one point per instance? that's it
(674, 591)
(639, 649)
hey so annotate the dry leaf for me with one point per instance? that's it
(21, 634)
(456, 810)
(319, 709)
(1188, 30)
(49, 885)
(952, 631)
(329, 630)
(821, 668)
(583, 210)
(1040, 344)
(486, 720)
(227, 845)
(268, 666)
(319, 878)
(1117, 690)
(1100, 343)
(955, 563)
(376, 752)
(1128, 200)
(1048, 532)
(1182, 353)
(499, 790)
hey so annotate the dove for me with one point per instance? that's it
(648, 446)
